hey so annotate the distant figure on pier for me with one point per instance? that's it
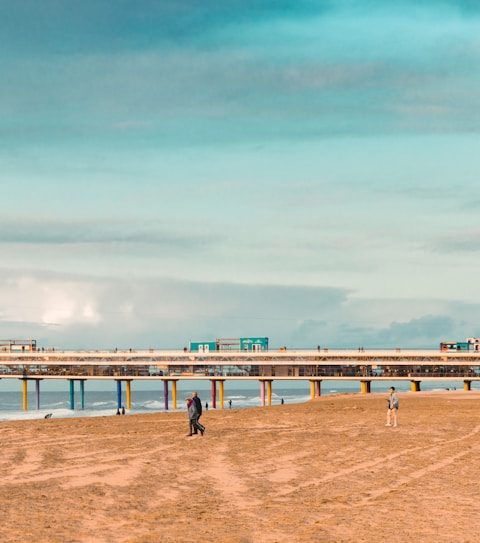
(318, 348)
(194, 425)
(123, 410)
(230, 404)
(198, 405)
(392, 410)
(49, 416)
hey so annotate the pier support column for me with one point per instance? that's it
(82, 394)
(25, 394)
(71, 383)
(318, 388)
(365, 387)
(37, 392)
(165, 394)
(312, 390)
(214, 394)
(262, 393)
(174, 394)
(119, 394)
(269, 393)
(128, 393)
(221, 393)
(467, 385)
(415, 386)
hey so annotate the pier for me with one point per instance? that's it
(169, 367)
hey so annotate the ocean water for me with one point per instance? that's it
(101, 398)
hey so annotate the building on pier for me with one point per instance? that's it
(470, 344)
(18, 345)
(255, 344)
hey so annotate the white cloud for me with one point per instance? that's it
(167, 313)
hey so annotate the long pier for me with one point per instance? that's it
(313, 366)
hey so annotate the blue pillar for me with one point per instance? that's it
(37, 392)
(82, 394)
(72, 394)
(165, 393)
(119, 394)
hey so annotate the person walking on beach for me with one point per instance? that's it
(230, 404)
(198, 404)
(194, 425)
(392, 411)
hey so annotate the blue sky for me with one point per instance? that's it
(303, 170)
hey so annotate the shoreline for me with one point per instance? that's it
(89, 412)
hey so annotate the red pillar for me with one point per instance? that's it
(214, 394)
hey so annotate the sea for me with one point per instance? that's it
(147, 397)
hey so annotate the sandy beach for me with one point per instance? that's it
(324, 471)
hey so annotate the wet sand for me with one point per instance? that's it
(325, 471)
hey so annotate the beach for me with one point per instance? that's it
(323, 471)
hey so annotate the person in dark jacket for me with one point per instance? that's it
(194, 425)
(198, 405)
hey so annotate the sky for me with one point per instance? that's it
(303, 170)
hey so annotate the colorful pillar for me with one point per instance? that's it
(174, 394)
(221, 392)
(365, 387)
(214, 394)
(415, 386)
(269, 393)
(318, 388)
(262, 393)
(37, 392)
(72, 393)
(119, 394)
(312, 389)
(165, 394)
(25, 394)
(128, 392)
(82, 394)
(467, 385)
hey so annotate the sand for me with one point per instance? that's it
(324, 471)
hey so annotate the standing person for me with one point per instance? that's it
(230, 404)
(198, 405)
(194, 425)
(392, 410)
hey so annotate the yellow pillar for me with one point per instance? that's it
(221, 391)
(174, 394)
(415, 386)
(128, 393)
(25, 394)
(365, 387)
(312, 390)
(269, 393)
(467, 385)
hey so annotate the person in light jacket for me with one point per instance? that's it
(392, 408)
